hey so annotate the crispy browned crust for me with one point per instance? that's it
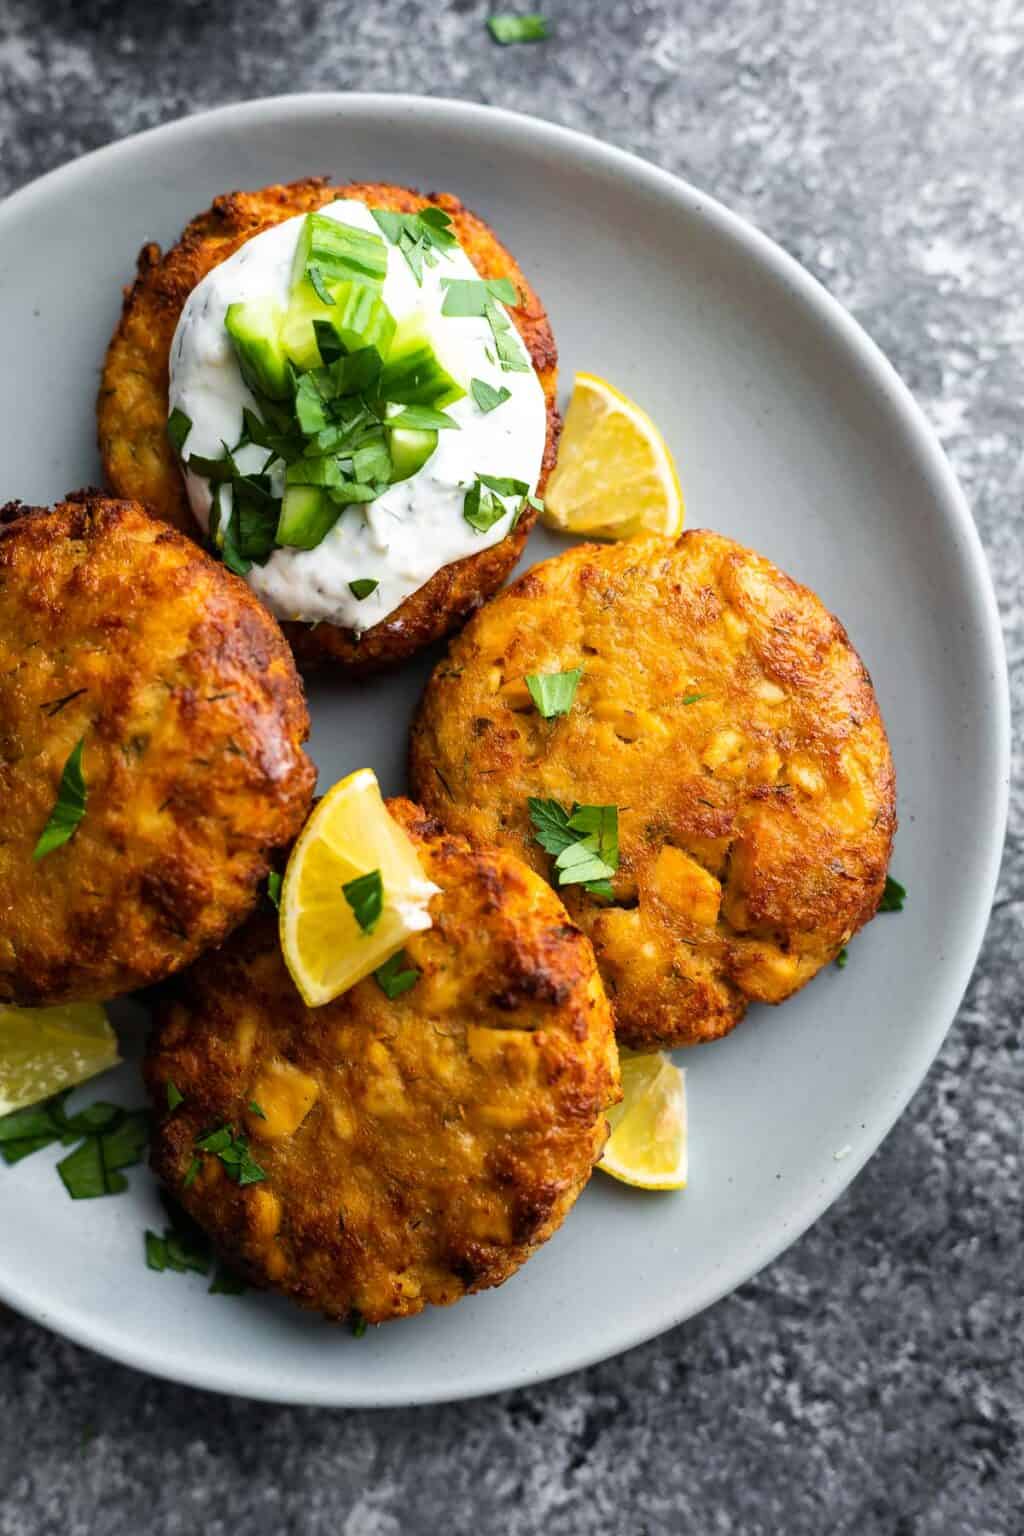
(724, 711)
(115, 628)
(442, 1136)
(132, 408)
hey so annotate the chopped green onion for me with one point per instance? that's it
(362, 587)
(553, 692)
(488, 398)
(365, 895)
(396, 975)
(532, 28)
(69, 807)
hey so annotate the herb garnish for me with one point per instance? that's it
(274, 889)
(893, 897)
(362, 587)
(178, 428)
(69, 807)
(486, 396)
(421, 237)
(233, 1151)
(483, 506)
(358, 1322)
(471, 295)
(174, 1096)
(110, 1138)
(553, 692)
(841, 958)
(507, 345)
(396, 975)
(184, 1247)
(257, 1110)
(365, 895)
(422, 418)
(584, 842)
(532, 28)
(693, 698)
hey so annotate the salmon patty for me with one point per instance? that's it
(725, 715)
(122, 637)
(138, 460)
(395, 1152)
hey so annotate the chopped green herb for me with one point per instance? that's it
(365, 895)
(363, 587)
(69, 807)
(893, 897)
(257, 1110)
(174, 1096)
(226, 1283)
(156, 1252)
(488, 398)
(358, 1322)
(422, 418)
(274, 888)
(396, 975)
(233, 1152)
(532, 28)
(421, 237)
(483, 504)
(178, 428)
(507, 345)
(553, 692)
(584, 842)
(693, 698)
(471, 296)
(190, 1173)
(841, 958)
(109, 1138)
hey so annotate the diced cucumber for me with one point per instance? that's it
(307, 515)
(358, 318)
(254, 326)
(339, 252)
(415, 372)
(410, 450)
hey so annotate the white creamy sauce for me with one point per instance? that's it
(415, 527)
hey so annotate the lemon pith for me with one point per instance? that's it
(647, 1146)
(615, 475)
(43, 1050)
(349, 833)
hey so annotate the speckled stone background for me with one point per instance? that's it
(872, 1380)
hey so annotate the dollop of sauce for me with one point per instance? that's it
(415, 527)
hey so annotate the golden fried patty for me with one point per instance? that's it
(724, 712)
(132, 409)
(413, 1149)
(117, 632)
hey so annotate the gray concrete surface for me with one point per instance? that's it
(871, 1381)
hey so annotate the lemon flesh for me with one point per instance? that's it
(43, 1050)
(647, 1145)
(349, 834)
(615, 475)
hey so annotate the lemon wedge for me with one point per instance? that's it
(647, 1145)
(43, 1050)
(350, 835)
(615, 475)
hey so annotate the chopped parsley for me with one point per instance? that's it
(584, 842)
(507, 346)
(423, 418)
(233, 1152)
(421, 237)
(553, 692)
(274, 888)
(178, 428)
(363, 587)
(257, 1110)
(484, 503)
(532, 28)
(488, 398)
(174, 1096)
(893, 897)
(471, 295)
(693, 698)
(365, 895)
(69, 807)
(841, 958)
(396, 975)
(185, 1248)
(109, 1138)
(358, 1322)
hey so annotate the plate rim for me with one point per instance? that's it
(882, 381)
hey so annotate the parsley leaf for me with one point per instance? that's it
(471, 296)
(421, 237)
(69, 807)
(392, 979)
(553, 692)
(841, 958)
(506, 341)
(174, 1096)
(274, 888)
(583, 842)
(363, 587)
(257, 1110)
(233, 1152)
(178, 428)
(893, 897)
(365, 895)
(550, 825)
(693, 698)
(486, 396)
(422, 418)
(483, 504)
(532, 28)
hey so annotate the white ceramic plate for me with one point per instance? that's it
(792, 434)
